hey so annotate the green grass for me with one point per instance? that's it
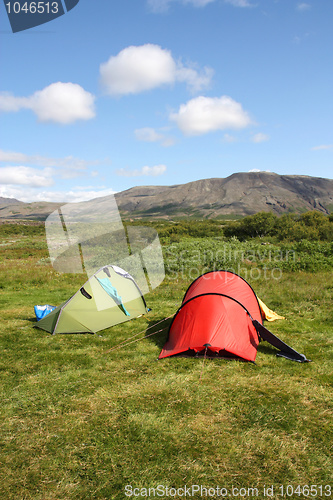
(79, 422)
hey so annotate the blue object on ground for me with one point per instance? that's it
(42, 311)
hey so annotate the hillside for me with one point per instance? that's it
(239, 194)
(38, 210)
(9, 201)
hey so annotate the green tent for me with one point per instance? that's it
(109, 297)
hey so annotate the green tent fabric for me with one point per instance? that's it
(94, 307)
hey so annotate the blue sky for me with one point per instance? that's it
(121, 93)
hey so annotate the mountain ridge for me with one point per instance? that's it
(242, 194)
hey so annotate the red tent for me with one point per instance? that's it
(220, 316)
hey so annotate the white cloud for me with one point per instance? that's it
(256, 170)
(10, 103)
(240, 3)
(26, 176)
(302, 6)
(168, 142)
(148, 134)
(163, 5)
(207, 114)
(28, 184)
(68, 167)
(260, 137)
(67, 162)
(159, 5)
(62, 103)
(198, 3)
(229, 138)
(136, 69)
(322, 147)
(80, 194)
(194, 80)
(12, 156)
(31, 194)
(144, 171)
(140, 68)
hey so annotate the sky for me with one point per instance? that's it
(122, 93)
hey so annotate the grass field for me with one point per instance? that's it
(79, 422)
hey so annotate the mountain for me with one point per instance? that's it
(14, 209)
(239, 194)
(242, 194)
(8, 201)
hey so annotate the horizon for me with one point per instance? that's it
(161, 185)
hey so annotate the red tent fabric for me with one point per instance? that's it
(216, 318)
